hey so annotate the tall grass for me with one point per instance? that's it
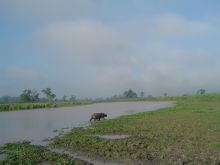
(26, 106)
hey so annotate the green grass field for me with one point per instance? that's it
(187, 133)
(25, 154)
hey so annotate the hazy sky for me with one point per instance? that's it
(94, 48)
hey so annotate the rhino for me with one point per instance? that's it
(97, 116)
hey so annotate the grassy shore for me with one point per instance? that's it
(25, 154)
(39, 105)
(188, 133)
(27, 106)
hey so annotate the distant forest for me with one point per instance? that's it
(32, 96)
(28, 95)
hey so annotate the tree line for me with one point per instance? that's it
(33, 96)
(28, 95)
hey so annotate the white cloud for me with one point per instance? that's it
(44, 10)
(89, 41)
(113, 60)
(168, 26)
(172, 25)
(90, 57)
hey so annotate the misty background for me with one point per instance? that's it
(95, 48)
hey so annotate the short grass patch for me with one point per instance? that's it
(25, 154)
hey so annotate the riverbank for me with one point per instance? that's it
(187, 133)
(43, 105)
(27, 154)
(30, 106)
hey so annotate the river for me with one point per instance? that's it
(39, 124)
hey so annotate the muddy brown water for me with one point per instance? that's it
(37, 125)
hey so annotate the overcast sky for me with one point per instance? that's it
(95, 48)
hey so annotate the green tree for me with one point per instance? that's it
(130, 94)
(72, 98)
(49, 94)
(64, 98)
(29, 96)
(25, 96)
(34, 96)
(142, 94)
(201, 92)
